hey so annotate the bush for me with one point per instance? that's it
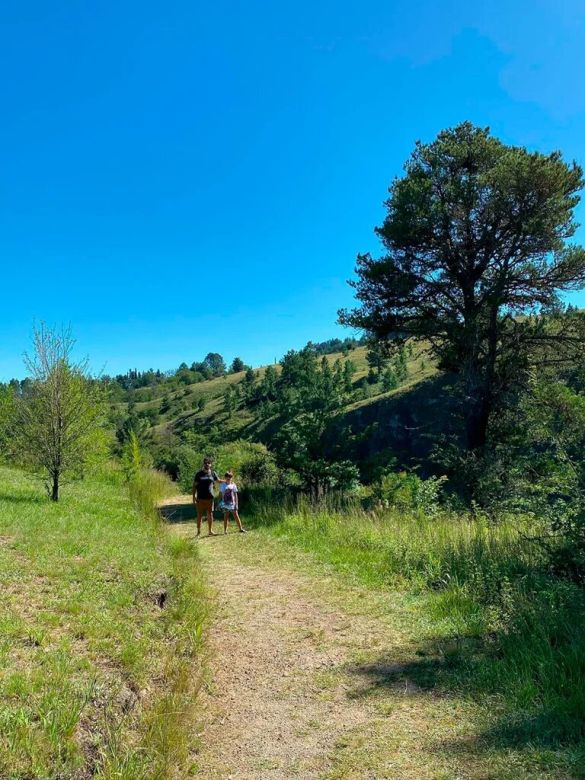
(408, 491)
(251, 462)
(166, 459)
(259, 469)
(188, 463)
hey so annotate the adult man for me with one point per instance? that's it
(203, 494)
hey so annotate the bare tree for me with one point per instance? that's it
(57, 424)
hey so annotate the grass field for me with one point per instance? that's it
(101, 625)
(488, 623)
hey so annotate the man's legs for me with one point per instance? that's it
(210, 520)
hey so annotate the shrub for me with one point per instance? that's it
(260, 469)
(251, 462)
(408, 491)
(132, 458)
(188, 462)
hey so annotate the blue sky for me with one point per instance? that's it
(183, 177)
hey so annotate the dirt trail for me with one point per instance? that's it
(308, 679)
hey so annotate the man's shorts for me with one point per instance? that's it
(204, 505)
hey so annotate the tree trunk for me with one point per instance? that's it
(480, 388)
(476, 425)
(55, 488)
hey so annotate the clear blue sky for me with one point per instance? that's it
(182, 177)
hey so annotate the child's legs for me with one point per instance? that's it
(237, 518)
(226, 517)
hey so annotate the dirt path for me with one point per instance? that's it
(309, 678)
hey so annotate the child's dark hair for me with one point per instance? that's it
(229, 474)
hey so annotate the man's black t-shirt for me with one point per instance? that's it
(204, 484)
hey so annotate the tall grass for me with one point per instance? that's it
(394, 546)
(147, 488)
(496, 621)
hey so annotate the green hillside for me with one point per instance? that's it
(199, 408)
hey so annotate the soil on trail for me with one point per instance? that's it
(309, 678)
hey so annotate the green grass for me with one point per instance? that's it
(488, 623)
(101, 626)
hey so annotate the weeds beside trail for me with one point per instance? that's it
(101, 619)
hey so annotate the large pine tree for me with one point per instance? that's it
(476, 238)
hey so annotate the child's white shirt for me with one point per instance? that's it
(224, 485)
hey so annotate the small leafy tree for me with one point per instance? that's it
(57, 424)
(184, 376)
(299, 447)
(309, 393)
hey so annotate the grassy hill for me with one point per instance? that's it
(97, 604)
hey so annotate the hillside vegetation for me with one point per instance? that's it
(374, 405)
(213, 393)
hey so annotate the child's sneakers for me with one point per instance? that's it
(243, 531)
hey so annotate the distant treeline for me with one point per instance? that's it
(212, 365)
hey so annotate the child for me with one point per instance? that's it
(229, 502)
